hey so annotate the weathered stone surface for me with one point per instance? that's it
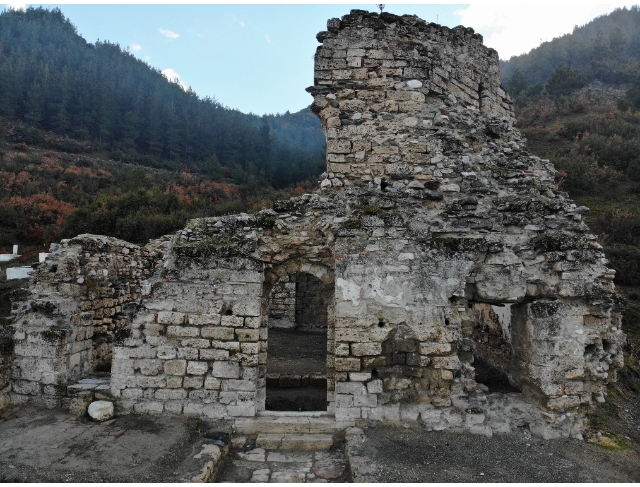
(101, 410)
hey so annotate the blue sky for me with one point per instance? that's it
(259, 58)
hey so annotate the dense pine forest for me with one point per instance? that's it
(95, 140)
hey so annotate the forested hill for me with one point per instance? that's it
(606, 49)
(53, 80)
(578, 104)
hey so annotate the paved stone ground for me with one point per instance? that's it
(41, 445)
(259, 465)
(387, 454)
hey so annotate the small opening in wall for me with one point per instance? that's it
(446, 321)
(493, 378)
(381, 324)
(228, 312)
(374, 373)
(384, 184)
(53, 269)
(590, 349)
(608, 346)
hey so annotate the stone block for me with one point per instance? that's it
(563, 402)
(243, 410)
(249, 348)
(171, 318)
(197, 368)
(450, 363)
(204, 319)
(193, 409)
(344, 400)
(192, 382)
(174, 382)
(240, 385)
(231, 346)
(188, 353)
(232, 321)
(366, 400)
(247, 335)
(167, 353)
(173, 407)
(343, 364)
(225, 370)
(432, 348)
(101, 410)
(195, 343)
(169, 394)
(369, 348)
(212, 383)
(359, 376)
(183, 331)
(150, 366)
(374, 386)
(214, 354)
(150, 382)
(350, 388)
(175, 367)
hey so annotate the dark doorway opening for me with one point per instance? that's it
(297, 344)
(492, 377)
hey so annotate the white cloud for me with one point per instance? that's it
(241, 23)
(168, 33)
(135, 47)
(16, 6)
(267, 38)
(173, 76)
(516, 29)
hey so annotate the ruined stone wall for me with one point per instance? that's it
(379, 85)
(450, 214)
(443, 237)
(282, 303)
(198, 339)
(76, 307)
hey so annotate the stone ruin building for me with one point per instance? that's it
(434, 243)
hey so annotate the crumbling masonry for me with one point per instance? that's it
(445, 240)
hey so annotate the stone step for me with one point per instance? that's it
(290, 424)
(292, 442)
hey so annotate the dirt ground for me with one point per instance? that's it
(51, 446)
(415, 455)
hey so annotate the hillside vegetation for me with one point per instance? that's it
(94, 140)
(578, 103)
